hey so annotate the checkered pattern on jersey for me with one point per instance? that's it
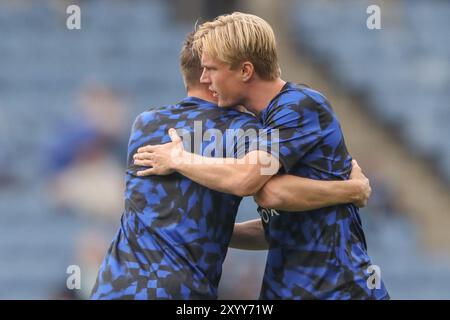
(319, 254)
(174, 233)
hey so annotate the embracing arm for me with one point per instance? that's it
(249, 235)
(292, 193)
(242, 177)
(245, 176)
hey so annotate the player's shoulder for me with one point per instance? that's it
(294, 102)
(151, 113)
(239, 119)
(143, 118)
(315, 95)
(300, 94)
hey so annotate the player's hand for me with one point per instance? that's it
(363, 182)
(160, 158)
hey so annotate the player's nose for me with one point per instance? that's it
(204, 78)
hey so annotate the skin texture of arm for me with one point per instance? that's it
(249, 235)
(292, 193)
(243, 177)
(229, 175)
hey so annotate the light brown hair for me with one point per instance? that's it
(190, 63)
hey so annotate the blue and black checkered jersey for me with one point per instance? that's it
(174, 233)
(318, 254)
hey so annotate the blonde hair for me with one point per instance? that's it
(238, 37)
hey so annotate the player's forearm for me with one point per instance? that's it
(249, 235)
(291, 193)
(240, 177)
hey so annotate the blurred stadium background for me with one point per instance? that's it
(68, 99)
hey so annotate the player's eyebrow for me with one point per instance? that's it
(207, 66)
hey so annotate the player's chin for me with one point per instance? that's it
(225, 103)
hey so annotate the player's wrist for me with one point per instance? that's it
(355, 188)
(360, 192)
(179, 160)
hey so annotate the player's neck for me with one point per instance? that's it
(201, 92)
(261, 92)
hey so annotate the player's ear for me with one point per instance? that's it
(247, 70)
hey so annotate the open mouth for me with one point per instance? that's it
(214, 93)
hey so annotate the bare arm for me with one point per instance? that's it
(249, 235)
(246, 176)
(242, 177)
(292, 193)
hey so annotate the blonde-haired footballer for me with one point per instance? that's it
(317, 254)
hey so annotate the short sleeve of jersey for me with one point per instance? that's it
(137, 130)
(292, 126)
